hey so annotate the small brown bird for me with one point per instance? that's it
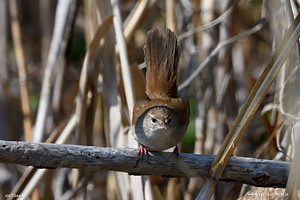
(160, 121)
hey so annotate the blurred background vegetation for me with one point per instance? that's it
(42, 48)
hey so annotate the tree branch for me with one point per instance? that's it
(256, 172)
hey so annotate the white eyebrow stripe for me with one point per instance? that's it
(152, 115)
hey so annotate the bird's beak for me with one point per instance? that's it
(164, 125)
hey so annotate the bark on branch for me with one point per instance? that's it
(251, 171)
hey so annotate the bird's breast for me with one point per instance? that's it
(159, 139)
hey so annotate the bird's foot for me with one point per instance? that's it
(142, 151)
(175, 155)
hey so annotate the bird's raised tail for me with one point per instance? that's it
(161, 59)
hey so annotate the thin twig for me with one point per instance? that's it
(209, 25)
(217, 49)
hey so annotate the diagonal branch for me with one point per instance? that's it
(251, 171)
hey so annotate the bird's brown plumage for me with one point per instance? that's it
(161, 59)
(178, 105)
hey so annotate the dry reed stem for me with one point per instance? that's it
(291, 19)
(61, 65)
(135, 19)
(125, 69)
(83, 83)
(16, 33)
(170, 15)
(44, 103)
(87, 17)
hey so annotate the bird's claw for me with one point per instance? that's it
(142, 151)
(175, 155)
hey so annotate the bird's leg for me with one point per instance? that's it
(175, 155)
(142, 151)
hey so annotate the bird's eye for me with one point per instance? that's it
(169, 121)
(153, 120)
